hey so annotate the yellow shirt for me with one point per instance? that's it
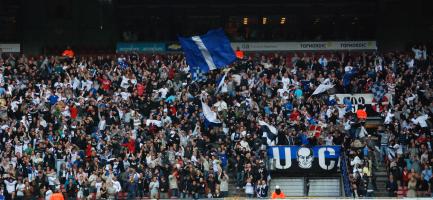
(366, 170)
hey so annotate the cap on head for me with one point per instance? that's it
(277, 187)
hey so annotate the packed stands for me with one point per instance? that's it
(132, 125)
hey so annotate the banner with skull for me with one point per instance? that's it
(300, 159)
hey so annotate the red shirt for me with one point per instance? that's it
(105, 84)
(140, 89)
(294, 116)
(69, 53)
(74, 112)
(173, 110)
(171, 74)
(405, 176)
(88, 150)
(130, 145)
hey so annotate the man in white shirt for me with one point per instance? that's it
(389, 117)
(286, 81)
(116, 185)
(348, 68)
(221, 105)
(224, 86)
(244, 144)
(163, 92)
(329, 139)
(281, 92)
(154, 188)
(421, 120)
(10, 187)
(341, 111)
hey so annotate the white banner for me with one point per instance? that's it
(360, 99)
(10, 48)
(305, 46)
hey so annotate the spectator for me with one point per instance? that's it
(154, 188)
(278, 194)
(111, 190)
(249, 188)
(48, 193)
(173, 184)
(57, 195)
(20, 187)
(261, 189)
(28, 190)
(163, 188)
(10, 187)
(412, 187)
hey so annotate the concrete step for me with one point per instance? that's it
(381, 173)
(380, 169)
(381, 188)
(382, 178)
(381, 193)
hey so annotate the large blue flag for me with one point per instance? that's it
(207, 52)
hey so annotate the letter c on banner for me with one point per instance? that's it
(322, 161)
(287, 156)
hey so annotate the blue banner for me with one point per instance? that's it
(141, 47)
(304, 159)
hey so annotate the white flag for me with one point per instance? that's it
(326, 85)
(210, 115)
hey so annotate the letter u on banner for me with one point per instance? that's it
(322, 161)
(287, 157)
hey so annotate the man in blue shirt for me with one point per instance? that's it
(53, 99)
(2, 91)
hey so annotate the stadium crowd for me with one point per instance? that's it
(110, 126)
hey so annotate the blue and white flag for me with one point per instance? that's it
(122, 63)
(379, 90)
(220, 82)
(269, 132)
(199, 76)
(207, 52)
(209, 115)
(326, 85)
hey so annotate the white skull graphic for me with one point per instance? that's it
(305, 158)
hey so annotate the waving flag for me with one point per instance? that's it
(220, 82)
(209, 115)
(326, 85)
(269, 132)
(199, 76)
(122, 63)
(378, 90)
(207, 52)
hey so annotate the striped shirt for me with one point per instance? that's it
(391, 88)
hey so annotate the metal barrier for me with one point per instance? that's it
(345, 175)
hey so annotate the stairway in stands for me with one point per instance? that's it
(381, 179)
(291, 187)
(233, 192)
